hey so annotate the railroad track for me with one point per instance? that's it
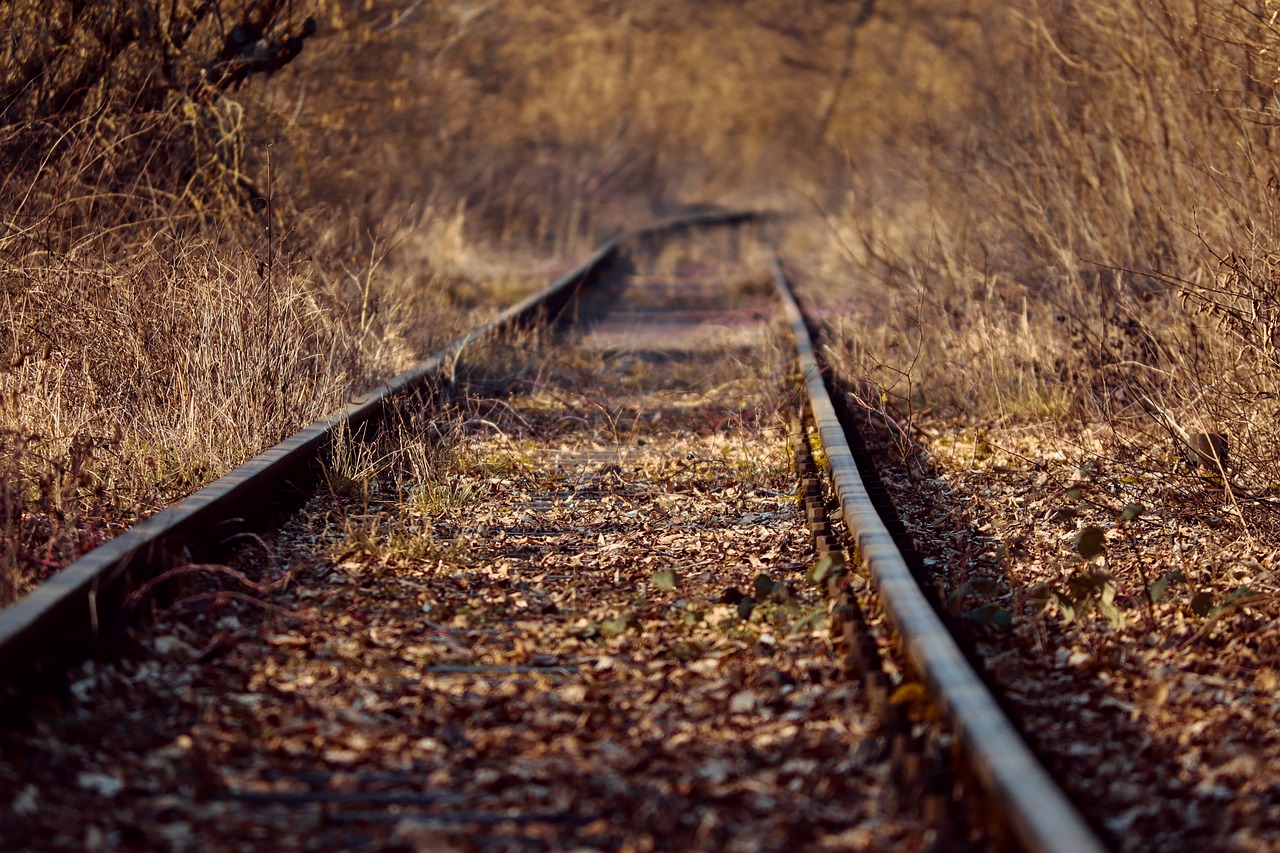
(600, 626)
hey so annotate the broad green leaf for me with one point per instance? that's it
(613, 627)
(990, 616)
(985, 586)
(1238, 593)
(973, 590)
(1109, 609)
(816, 619)
(764, 586)
(1158, 589)
(959, 598)
(621, 624)
(827, 564)
(1132, 511)
(1040, 595)
(665, 581)
(1072, 608)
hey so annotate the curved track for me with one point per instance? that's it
(64, 617)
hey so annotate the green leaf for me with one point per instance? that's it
(764, 585)
(1040, 594)
(1132, 511)
(1072, 608)
(1109, 609)
(1074, 493)
(613, 627)
(816, 619)
(1202, 603)
(973, 590)
(1161, 585)
(621, 624)
(826, 565)
(985, 586)
(665, 581)
(1084, 589)
(959, 598)
(1238, 593)
(745, 606)
(1085, 585)
(1090, 542)
(990, 616)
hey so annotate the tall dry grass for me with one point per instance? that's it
(564, 120)
(1096, 236)
(210, 238)
(1065, 207)
(172, 302)
(199, 255)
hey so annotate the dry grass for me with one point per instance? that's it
(171, 305)
(1066, 208)
(197, 259)
(1094, 240)
(558, 120)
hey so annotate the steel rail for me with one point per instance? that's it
(1039, 814)
(64, 616)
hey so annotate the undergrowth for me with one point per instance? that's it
(172, 303)
(1096, 240)
(223, 218)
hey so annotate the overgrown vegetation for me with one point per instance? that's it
(1071, 203)
(1097, 238)
(171, 302)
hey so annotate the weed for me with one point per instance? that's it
(386, 540)
(437, 497)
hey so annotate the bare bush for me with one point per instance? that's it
(169, 310)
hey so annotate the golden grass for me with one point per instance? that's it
(1032, 210)
(1095, 238)
(172, 303)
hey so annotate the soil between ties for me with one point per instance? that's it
(514, 636)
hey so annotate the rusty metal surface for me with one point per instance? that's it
(1039, 813)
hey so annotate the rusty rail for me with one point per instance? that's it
(1037, 811)
(66, 616)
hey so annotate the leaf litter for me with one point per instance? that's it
(542, 644)
(1139, 647)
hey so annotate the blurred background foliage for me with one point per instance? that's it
(1033, 208)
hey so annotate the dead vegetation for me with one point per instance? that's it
(171, 304)
(1096, 250)
(1067, 325)
(1097, 239)
(196, 185)
(1048, 248)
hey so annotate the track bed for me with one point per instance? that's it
(521, 624)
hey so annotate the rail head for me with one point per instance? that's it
(1040, 815)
